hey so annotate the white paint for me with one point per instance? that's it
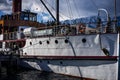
(1, 37)
(96, 69)
(90, 48)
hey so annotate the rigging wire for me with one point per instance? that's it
(76, 7)
(43, 10)
(60, 12)
(53, 9)
(51, 6)
(94, 4)
(69, 10)
(96, 7)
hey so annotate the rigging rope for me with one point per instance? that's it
(94, 4)
(43, 10)
(69, 10)
(53, 10)
(76, 7)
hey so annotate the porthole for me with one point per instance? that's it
(66, 41)
(84, 40)
(25, 53)
(30, 43)
(56, 41)
(48, 42)
(40, 42)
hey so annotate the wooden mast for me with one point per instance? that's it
(57, 11)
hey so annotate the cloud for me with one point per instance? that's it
(69, 9)
(6, 6)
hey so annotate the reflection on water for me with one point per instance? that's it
(34, 75)
(37, 75)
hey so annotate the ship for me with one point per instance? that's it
(72, 50)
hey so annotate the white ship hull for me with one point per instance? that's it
(80, 55)
(91, 69)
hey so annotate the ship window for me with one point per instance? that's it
(21, 44)
(30, 43)
(0, 44)
(40, 42)
(56, 41)
(84, 40)
(48, 42)
(66, 41)
(7, 45)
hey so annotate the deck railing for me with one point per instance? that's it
(12, 36)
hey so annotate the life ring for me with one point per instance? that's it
(81, 28)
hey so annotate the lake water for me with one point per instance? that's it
(33, 75)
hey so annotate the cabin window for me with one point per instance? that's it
(7, 45)
(0, 28)
(21, 44)
(0, 44)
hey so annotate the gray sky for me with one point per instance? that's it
(69, 9)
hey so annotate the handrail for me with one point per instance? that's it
(108, 16)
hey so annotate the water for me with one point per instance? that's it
(37, 75)
(33, 75)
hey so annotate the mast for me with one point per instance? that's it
(57, 11)
(115, 15)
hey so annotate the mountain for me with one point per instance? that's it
(91, 21)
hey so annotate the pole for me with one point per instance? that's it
(57, 11)
(115, 15)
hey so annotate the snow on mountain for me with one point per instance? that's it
(90, 21)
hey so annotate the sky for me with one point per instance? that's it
(69, 9)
